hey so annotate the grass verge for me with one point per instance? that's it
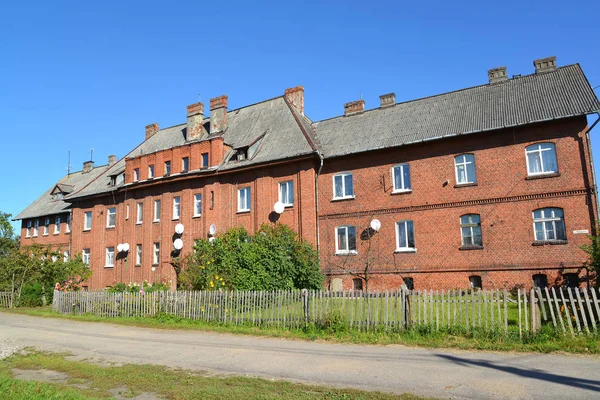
(94, 382)
(545, 341)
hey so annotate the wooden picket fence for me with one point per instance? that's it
(6, 300)
(570, 311)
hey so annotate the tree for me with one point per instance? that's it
(593, 263)
(7, 235)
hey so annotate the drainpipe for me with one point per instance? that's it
(589, 149)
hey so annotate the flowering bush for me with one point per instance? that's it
(144, 287)
(68, 286)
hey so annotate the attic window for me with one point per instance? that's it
(117, 179)
(241, 154)
(58, 196)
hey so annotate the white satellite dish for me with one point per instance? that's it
(125, 247)
(153, 269)
(212, 230)
(279, 207)
(376, 225)
(212, 239)
(179, 229)
(178, 244)
(119, 247)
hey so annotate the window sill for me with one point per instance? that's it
(288, 205)
(542, 176)
(405, 250)
(346, 253)
(550, 242)
(156, 221)
(138, 223)
(110, 227)
(175, 219)
(343, 198)
(45, 234)
(243, 212)
(138, 265)
(470, 247)
(109, 266)
(402, 191)
(87, 230)
(197, 216)
(155, 265)
(462, 185)
(56, 233)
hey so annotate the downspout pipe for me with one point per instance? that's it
(589, 149)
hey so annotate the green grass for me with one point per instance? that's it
(545, 341)
(97, 381)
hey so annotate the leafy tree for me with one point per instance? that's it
(7, 235)
(593, 263)
(274, 258)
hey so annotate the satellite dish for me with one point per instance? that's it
(376, 225)
(178, 244)
(279, 207)
(125, 247)
(153, 269)
(212, 230)
(211, 239)
(179, 229)
(119, 247)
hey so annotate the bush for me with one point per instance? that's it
(145, 287)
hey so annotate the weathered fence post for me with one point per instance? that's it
(305, 305)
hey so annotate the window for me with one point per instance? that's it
(57, 225)
(204, 160)
(36, 227)
(409, 282)
(541, 159)
(138, 254)
(549, 224)
(156, 258)
(85, 256)
(345, 239)
(401, 176)
(68, 224)
(66, 256)
(110, 257)
(197, 205)
(111, 217)
(150, 171)
(244, 199)
(470, 230)
(28, 230)
(46, 226)
(342, 186)
(185, 164)
(87, 221)
(540, 281)
(465, 169)
(571, 280)
(286, 193)
(405, 236)
(167, 168)
(136, 174)
(357, 284)
(127, 212)
(176, 207)
(156, 210)
(475, 281)
(140, 213)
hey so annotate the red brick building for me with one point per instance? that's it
(488, 186)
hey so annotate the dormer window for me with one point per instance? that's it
(58, 196)
(241, 154)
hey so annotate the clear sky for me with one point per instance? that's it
(80, 75)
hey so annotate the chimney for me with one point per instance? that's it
(151, 130)
(545, 64)
(195, 116)
(354, 107)
(112, 159)
(295, 96)
(218, 114)
(88, 166)
(386, 100)
(497, 75)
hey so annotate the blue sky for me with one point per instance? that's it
(80, 75)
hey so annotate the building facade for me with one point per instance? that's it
(491, 186)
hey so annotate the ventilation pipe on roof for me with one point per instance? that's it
(545, 64)
(354, 107)
(151, 130)
(497, 75)
(195, 117)
(218, 114)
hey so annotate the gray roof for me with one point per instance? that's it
(46, 204)
(562, 93)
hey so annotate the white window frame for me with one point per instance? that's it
(537, 148)
(66, 255)
(401, 187)
(289, 185)
(156, 210)
(470, 226)
(85, 256)
(552, 219)
(244, 199)
(404, 247)
(28, 229)
(185, 164)
(343, 175)
(150, 171)
(68, 229)
(347, 249)
(176, 207)
(139, 216)
(205, 160)
(87, 220)
(46, 226)
(111, 211)
(57, 225)
(156, 254)
(167, 166)
(138, 254)
(36, 228)
(136, 174)
(110, 257)
(461, 159)
(198, 205)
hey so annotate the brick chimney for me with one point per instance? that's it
(386, 100)
(88, 166)
(218, 114)
(354, 107)
(545, 64)
(497, 75)
(112, 159)
(295, 96)
(151, 130)
(195, 119)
